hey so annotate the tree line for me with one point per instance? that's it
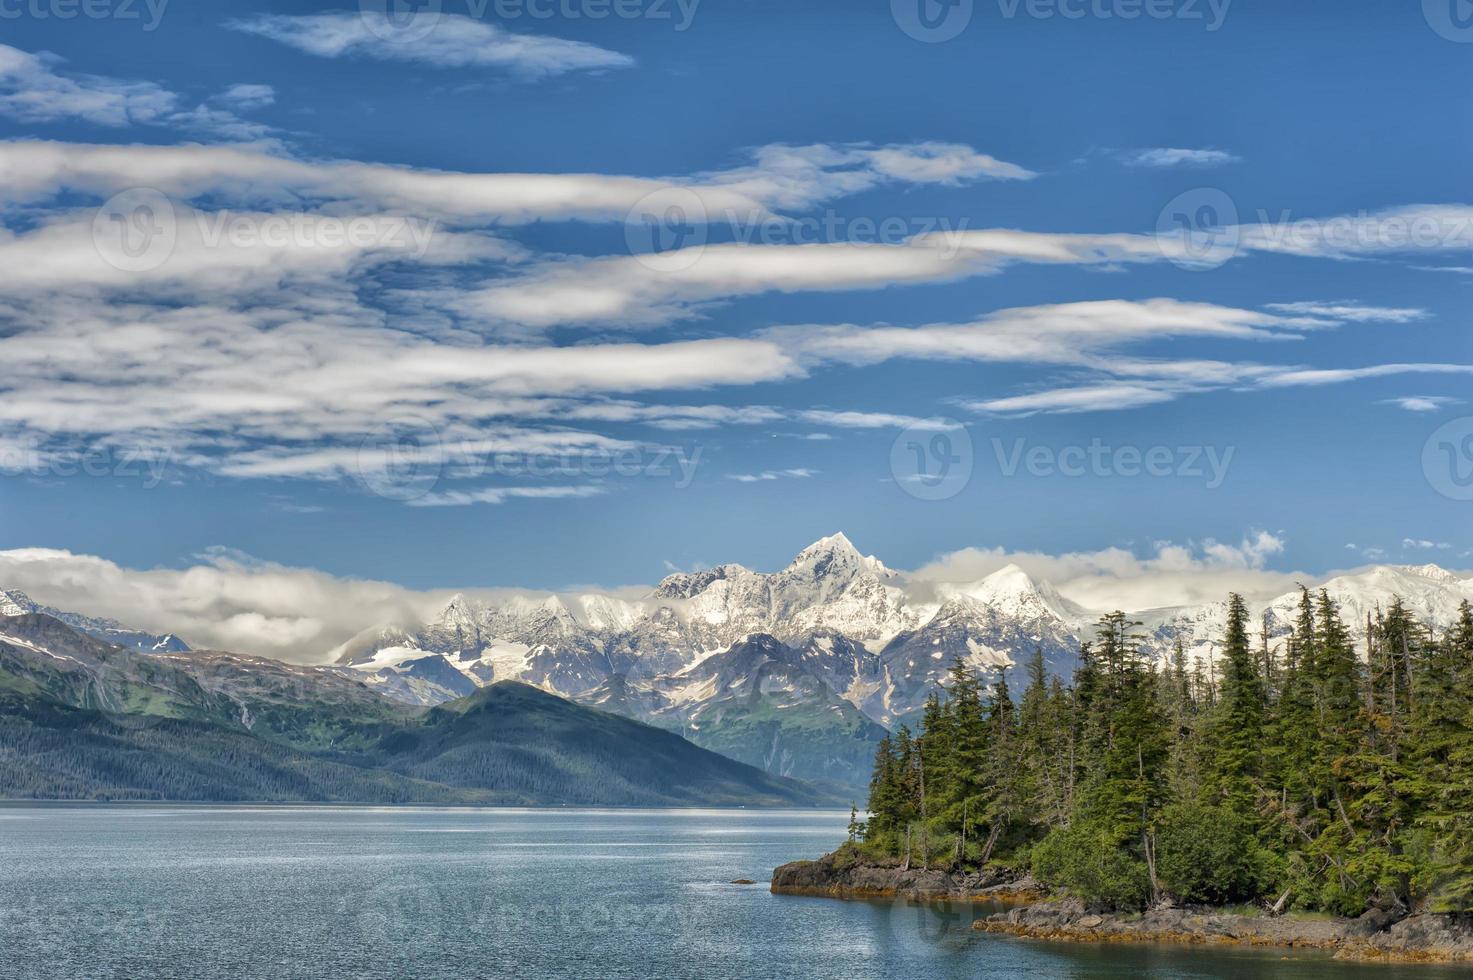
(1299, 775)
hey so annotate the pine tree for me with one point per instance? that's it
(1235, 769)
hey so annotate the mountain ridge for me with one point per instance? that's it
(80, 717)
(850, 633)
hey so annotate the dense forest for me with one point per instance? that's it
(1299, 775)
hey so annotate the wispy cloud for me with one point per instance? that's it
(34, 89)
(1161, 157)
(797, 473)
(432, 38)
(1351, 310)
(1422, 403)
(500, 495)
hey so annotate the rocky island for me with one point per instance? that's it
(1377, 935)
(1312, 796)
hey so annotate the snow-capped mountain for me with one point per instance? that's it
(761, 702)
(991, 625)
(1431, 593)
(13, 602)
(859, 628)
(798, 670)
(877, 640)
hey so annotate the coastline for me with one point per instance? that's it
(840, 875)
(1374, 937)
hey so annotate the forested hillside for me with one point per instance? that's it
(83, 719)
(1296, 775)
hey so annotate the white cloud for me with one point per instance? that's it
(246, 96)
(1117, 578)
(1351, 310)
(1055, 333)
(766, 476)
(500, 495)
(228, 600)
(871, 420)
(778, 177)
(1326, 376)
(1424, 544)
(437, 39)
(1399, 230)
(633, 290)
(31, 90)
(1163, 156)
(1422, 403)
(223, 602)
(1086, 398)
(34, 90)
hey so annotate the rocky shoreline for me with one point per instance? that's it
(842, 875)
(1375, 936)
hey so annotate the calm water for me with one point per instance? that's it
(243, 893)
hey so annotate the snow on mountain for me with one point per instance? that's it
(13, 602)
(797, 670)
(762, 702)
(992, 625)
(876, 641)
(1431, 593)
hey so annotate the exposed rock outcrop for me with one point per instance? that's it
(845, 874)
(1374, 936)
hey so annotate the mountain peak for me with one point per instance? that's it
(14, 602)
(837, 540)
(1010, 578)
(1433, 571)
(1012, 589)
(836, 550)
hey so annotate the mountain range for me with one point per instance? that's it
(84, 718)
(798, 672)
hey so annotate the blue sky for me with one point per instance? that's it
(339, 407)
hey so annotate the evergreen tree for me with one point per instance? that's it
(1236, 765)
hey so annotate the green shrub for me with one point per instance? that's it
(1085, 859)
(1209, 854)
